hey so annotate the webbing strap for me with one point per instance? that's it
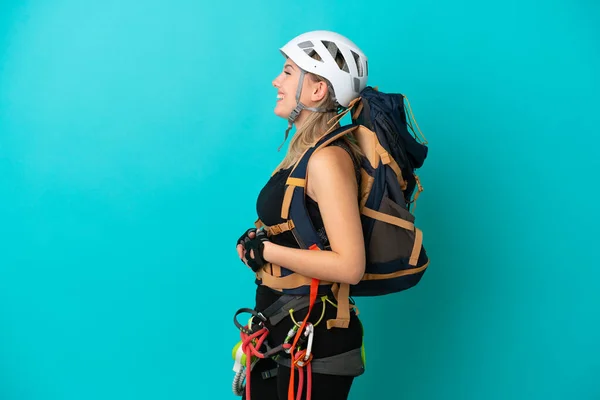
(280, 228)
(296, 182)
(419, 190)
(390, 219)
(356, 112)
(335, 137)
(275, 270)
(387, 159)
(292, 281)
(342, 295)
(338, 117)
(271, 373)
(414, 258)
(280, 309)
(279, 304)
(287, 201)
(349, 363)
(391, 275)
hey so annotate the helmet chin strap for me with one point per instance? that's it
(299, 107)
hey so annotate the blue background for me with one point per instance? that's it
(135, 136)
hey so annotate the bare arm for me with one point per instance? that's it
(332, 183)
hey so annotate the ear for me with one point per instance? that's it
(318, 91)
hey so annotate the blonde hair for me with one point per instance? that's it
(315, 125)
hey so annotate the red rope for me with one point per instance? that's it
(300, 359)
(300, 383)
(314, 288)
(309, 381)
(250, 348)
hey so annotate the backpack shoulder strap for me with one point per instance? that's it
(293, 207)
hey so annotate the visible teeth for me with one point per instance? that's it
(279, 96)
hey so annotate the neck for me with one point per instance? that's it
(300, 119)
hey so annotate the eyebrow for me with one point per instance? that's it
(288, 65)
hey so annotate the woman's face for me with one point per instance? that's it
(287, 85)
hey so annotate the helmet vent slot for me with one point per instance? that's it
(335, 53)
(306, 44)
(358, 63)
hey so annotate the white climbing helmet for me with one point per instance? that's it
(347, 82)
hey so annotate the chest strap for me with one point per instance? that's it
(275, 229)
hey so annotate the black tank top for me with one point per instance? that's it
(268, 208)
(270, 199)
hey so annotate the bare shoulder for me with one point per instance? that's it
(331, 168)
(331, 157)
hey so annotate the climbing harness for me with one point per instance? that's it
(297, 346)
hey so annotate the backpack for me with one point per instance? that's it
(395, 256)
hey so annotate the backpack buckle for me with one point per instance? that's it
(276, 230)
(280, 228)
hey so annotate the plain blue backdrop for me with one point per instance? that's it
(135, 137)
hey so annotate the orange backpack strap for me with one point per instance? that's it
(342, 295)
(292, 184)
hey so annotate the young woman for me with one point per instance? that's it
(322, 73)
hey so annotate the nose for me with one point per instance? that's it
(276, 81)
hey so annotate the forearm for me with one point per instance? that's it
(323, 265)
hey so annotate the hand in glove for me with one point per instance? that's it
(250, 248)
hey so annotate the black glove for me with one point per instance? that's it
(242, 240)
(257, 245)
(245, 236)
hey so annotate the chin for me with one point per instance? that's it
(280, 112)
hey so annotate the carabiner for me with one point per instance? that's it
(289, 337)
(310, 331)
(305, 356)
(248, 330)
